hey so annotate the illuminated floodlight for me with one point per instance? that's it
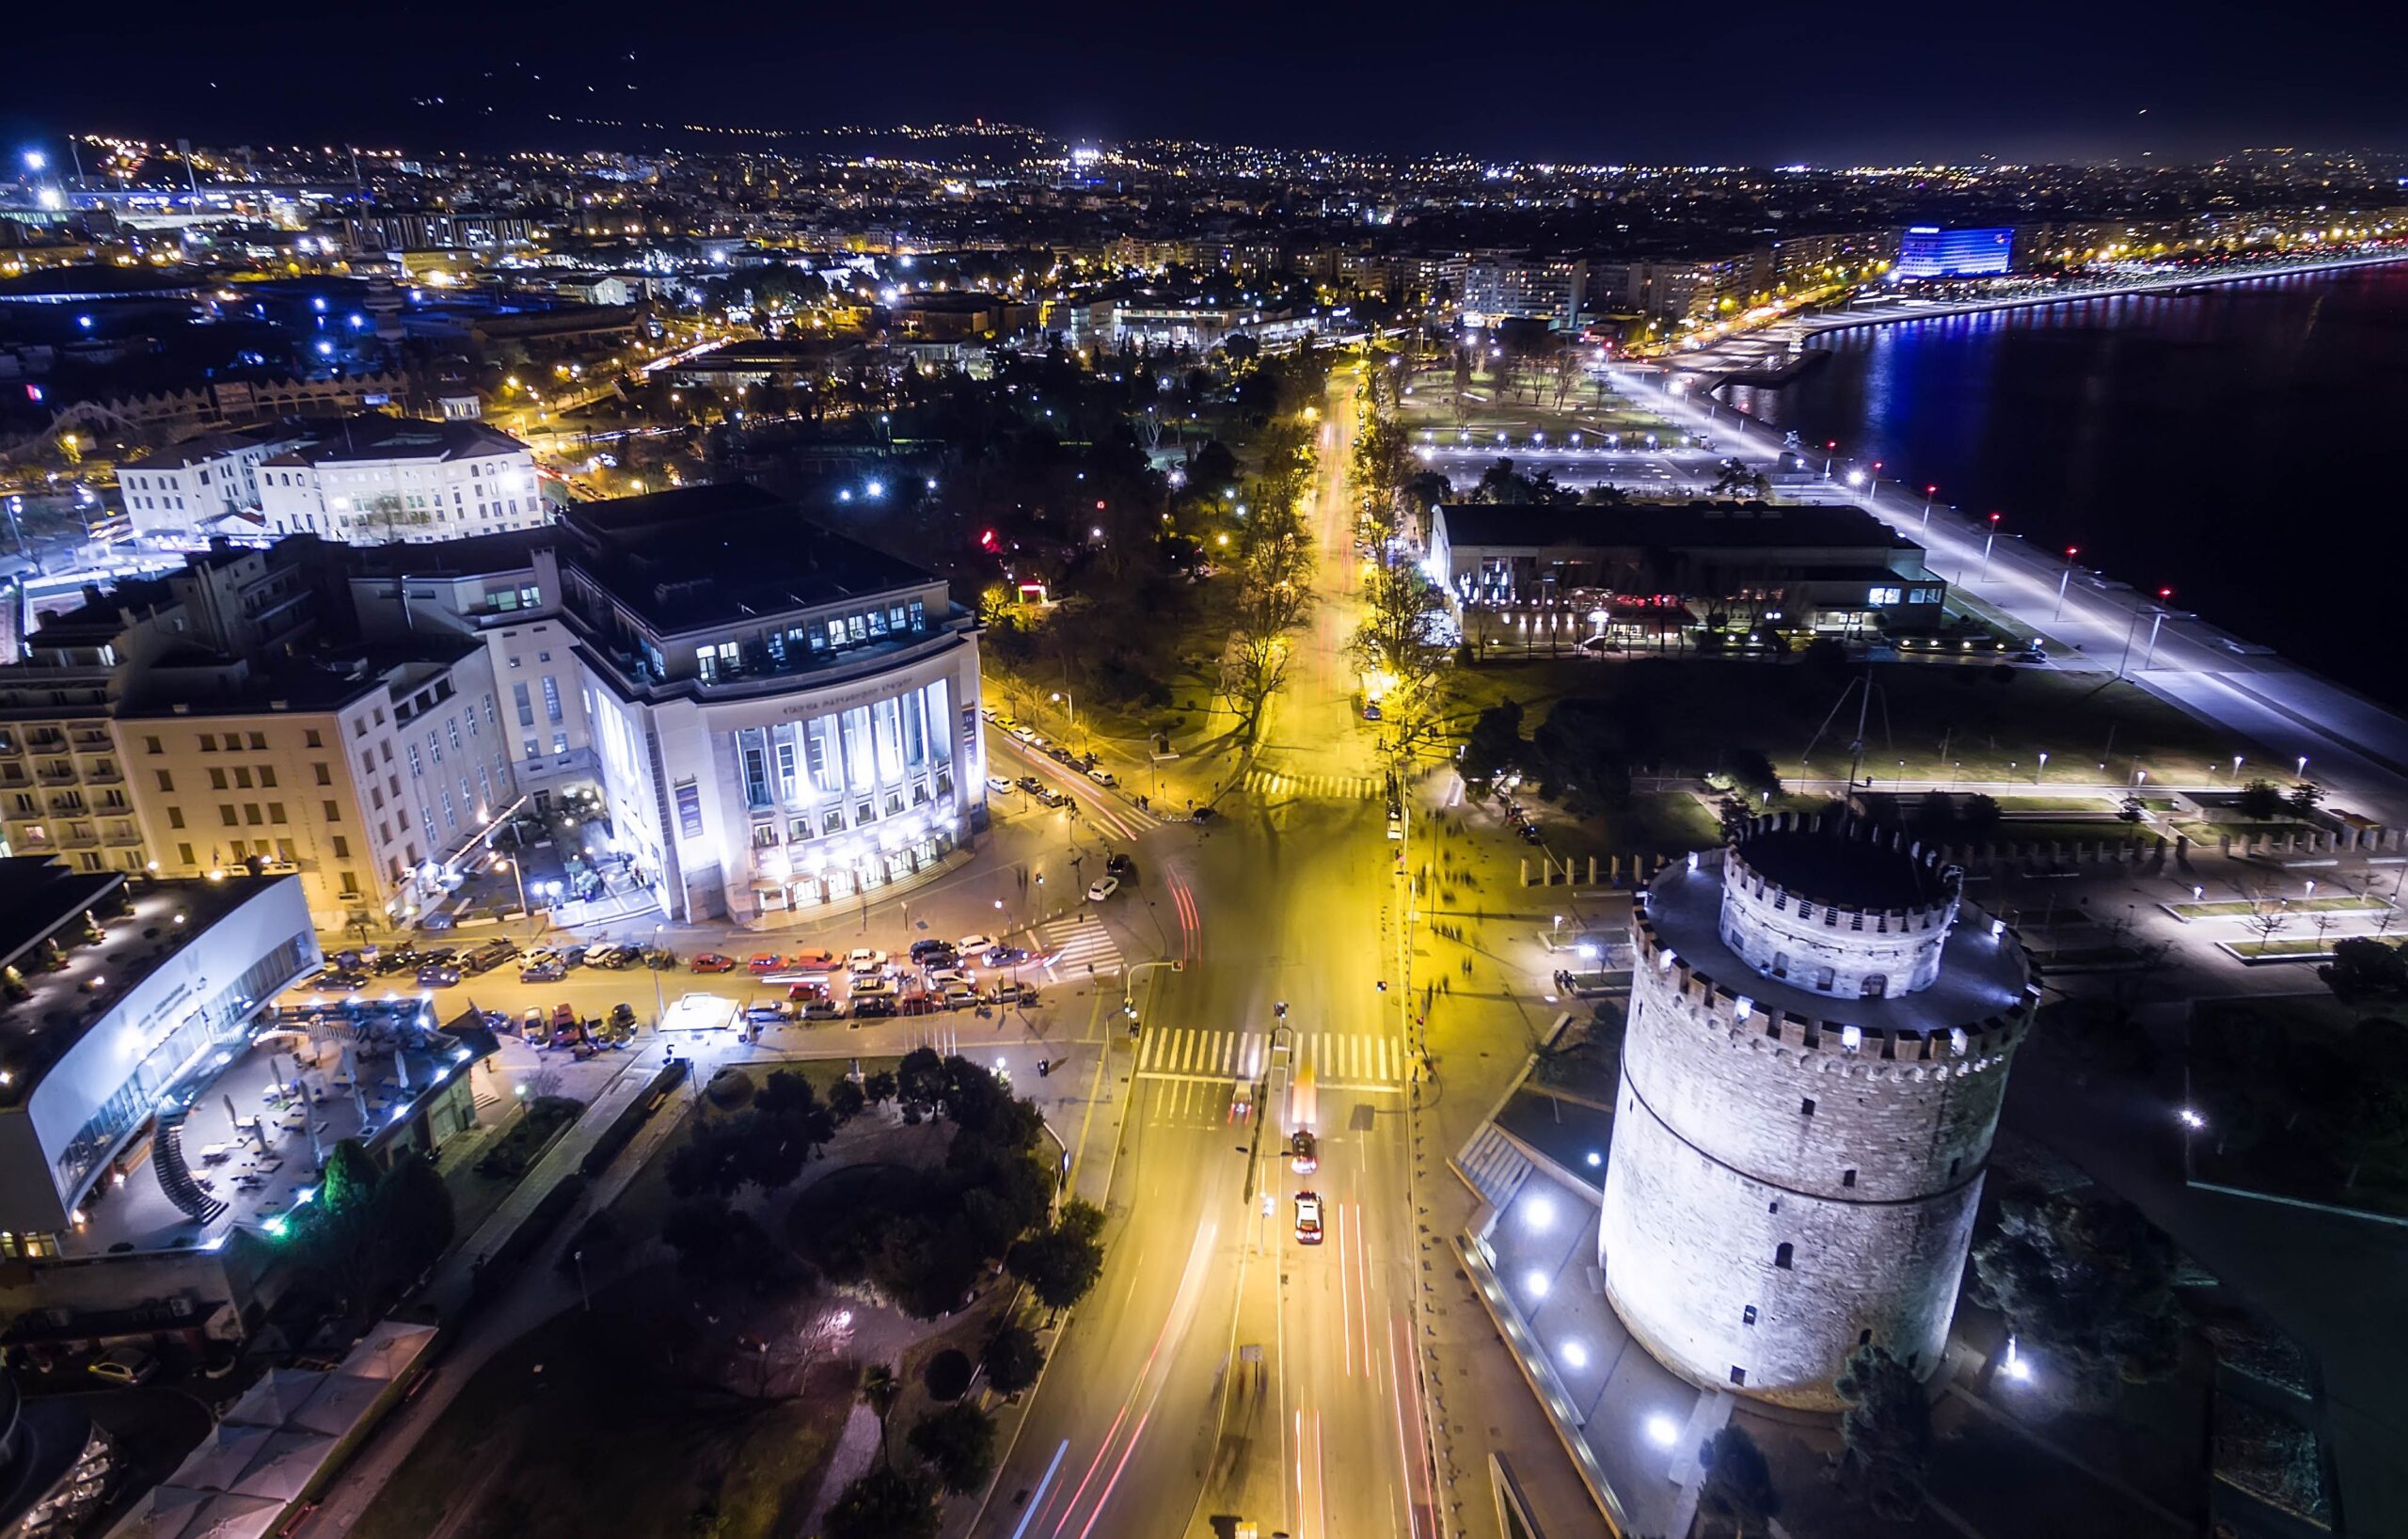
(1575, 1354)
(1536, 1284)
(1538, 1212)
(1662, 1430)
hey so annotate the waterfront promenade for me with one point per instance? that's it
(2352, 746)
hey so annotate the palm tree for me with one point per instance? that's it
(879, 1390)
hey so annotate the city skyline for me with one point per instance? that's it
(1630, 90)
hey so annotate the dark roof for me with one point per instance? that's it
(374, 437)
(1850, 872)
(39, 893)
(473, 555)
(1725, 525)
(711, 555)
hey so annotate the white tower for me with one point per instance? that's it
(1819, 1035)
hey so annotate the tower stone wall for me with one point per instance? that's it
(1796, 1169)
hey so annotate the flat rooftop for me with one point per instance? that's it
(1981, 974)
(60, 1007)
(1851, 873)
(715, 555)
(1676, 525)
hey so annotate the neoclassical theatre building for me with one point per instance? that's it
(1819, 1035)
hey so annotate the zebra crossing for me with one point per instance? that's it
(1327, 788)
(1343, 1060)
(1076, 948)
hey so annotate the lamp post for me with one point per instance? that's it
(518, 872)
(2044, 766)
(1988, 540)
(2064, 582)
(2300, 772)
(2157, 609)
(1929, 493)
(1069, 708)
(659, 1004)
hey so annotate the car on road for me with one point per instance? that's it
(123, 1365)
(974, 945)
(961, 997)
(1304, 1153)
(563, 1016)
(1122, 865)
(864, 960)
(1102, 888)
(768, 1012)
(1005, 955)
(1051, 798)
(768, 961)
(820, 1008)
(1308, 1218)
(532, 1026)
(547, 970)
(487, 957)
(876, 1007)
(1061, 755)
(438, 976)
(946, 978)
(1000, 784)
(1030, 784)
(713, 962)
(928, 945)
(1371, 711)
(339, 981)
(1103, 777)
(871, 987)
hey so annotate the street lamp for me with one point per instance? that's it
(2064, 582)
(659, 1004)
(2159, 610)
(2044, 766)
(1929, 493)
(2236, 769)
(2302, 771)
(518, 872)
(1988, 540)
(1070, 706)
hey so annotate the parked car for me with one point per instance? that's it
(1061, 755)
(713, 962)
(945, 980)
(768, 961)
(813, 961)
(876, 1007)
(928, 946)
(871, 987)
(615, 958)
(974, 945)
(532, 1026)
(439, 975)
(820, 1008)
(623, 1014)
(862, 960)
(768, 1012)
(487, 957)
(123, 1365)
(1030, 784)
(1000, 784)
(543, 972)
(342, 980)
(1122, 865)
(1051, 798)
(1102, 888)
(1102, 777)
(961, 997)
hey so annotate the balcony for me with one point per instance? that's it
(104, 774)
(57, 774)
(80, 836)
(121, 835)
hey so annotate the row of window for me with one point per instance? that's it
(832, 819)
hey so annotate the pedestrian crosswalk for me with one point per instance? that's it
(1340, 1059)
(1327, 788)
(1074, 948)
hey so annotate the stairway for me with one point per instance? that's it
(175, 1177)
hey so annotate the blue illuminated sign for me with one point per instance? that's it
(1926, 251)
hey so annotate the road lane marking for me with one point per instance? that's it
(1038, 1500)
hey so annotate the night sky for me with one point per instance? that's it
(1642, 82)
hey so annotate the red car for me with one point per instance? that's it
(768, 961)
(712, 961)
(814, 961)
(802, 994)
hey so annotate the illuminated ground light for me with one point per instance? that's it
(1662, 1430)
(1596, 1159)
(1575, 1354)
(1538, 1213)
(1536, 1284)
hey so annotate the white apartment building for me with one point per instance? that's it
(377, 480)
(190, 484)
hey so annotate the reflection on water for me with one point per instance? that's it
(2231, 443)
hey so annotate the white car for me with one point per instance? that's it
(1102, 777)
(864, 959)
(870, 987)
(1000, 784)
(1308, 1218)
(1102, 888)
(974, 945)
(945, 980)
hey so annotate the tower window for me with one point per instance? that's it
(1738, 1374)
(1847, 1178)
(1748, 1315)
(1954, 1164)
(1781, 1256)
(1806, 1108)
(1864, 1337)
(1774, 1206)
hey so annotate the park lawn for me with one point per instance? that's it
(1928, 723)
(2234, 908)
(2298, 948)
(569, 1433)
(2011, 805)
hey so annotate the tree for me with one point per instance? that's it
(1062, 1263)
(880, 1389)
(1737, 1488)
(948, 1375)
(2267, 919)
(2086, 1284)
(885, 1503)
(881, 1086)
(920, 1078)
(2261, 800)
(351, 1177)
(1751, 770)
(1736, 479)
(2363, 970)
(1886, 1431)
(1495, 743)
(2303, 797)
(415, 1213)
(959, 1443)
(1012, 1359)
(846, 1101)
